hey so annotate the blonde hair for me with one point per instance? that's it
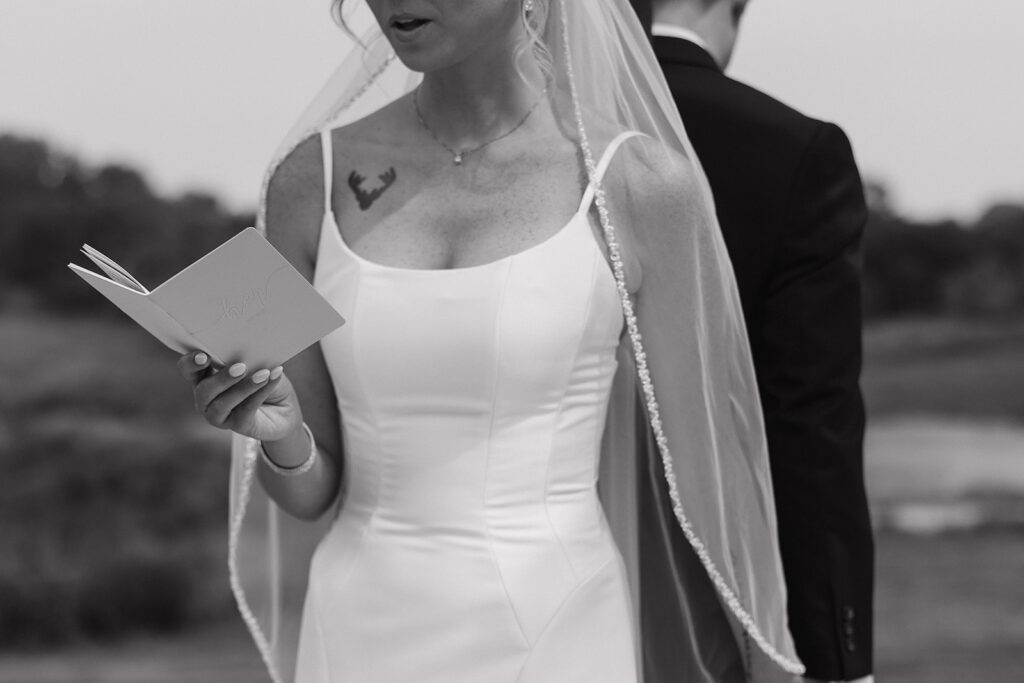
(535, 23)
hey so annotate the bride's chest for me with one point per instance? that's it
(443, 222)
(525, 324)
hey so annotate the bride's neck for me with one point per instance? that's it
(471, 102)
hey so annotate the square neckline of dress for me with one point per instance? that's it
(582, 212)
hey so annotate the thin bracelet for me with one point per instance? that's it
(301, 468)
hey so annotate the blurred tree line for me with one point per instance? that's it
(943, 267)
(50, 204)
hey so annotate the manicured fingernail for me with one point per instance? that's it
(237, 370)
(260, 376)
(276, 372)
(201, 358)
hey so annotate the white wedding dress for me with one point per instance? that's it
(471, 545)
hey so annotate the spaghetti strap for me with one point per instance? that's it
(325, 144)
(602, 166)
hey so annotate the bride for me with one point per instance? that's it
(535, 451)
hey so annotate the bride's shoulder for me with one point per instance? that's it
(294, 205)
(650, 171)
(649, 187)
(299, 174)
(301, 170)
(657, 184)
(295, 193)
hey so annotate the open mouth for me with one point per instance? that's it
(408, 24)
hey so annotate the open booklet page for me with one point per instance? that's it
(241, 302)
(113, 271)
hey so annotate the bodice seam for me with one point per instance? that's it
(580, 585)
(487, 464)
(587, 311)
(357, 379)
(610, 360)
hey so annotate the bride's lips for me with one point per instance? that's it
(406, 27)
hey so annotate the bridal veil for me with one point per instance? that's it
(684, 470)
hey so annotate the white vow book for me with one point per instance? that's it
(241, 302)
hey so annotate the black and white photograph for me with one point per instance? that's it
(511, 341)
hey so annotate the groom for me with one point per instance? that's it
(791, 207)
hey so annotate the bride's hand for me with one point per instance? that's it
(261, 404)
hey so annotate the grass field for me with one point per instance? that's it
(110, 481)
(949, 608)
(970, 369)
(113, 499)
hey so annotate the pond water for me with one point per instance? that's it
(928, 474)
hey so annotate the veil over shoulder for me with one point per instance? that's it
(684, 470)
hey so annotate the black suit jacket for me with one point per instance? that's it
(791, 206)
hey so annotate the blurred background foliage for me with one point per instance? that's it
(943, 267)
(50, 204)
(112, 491)
(113, 503)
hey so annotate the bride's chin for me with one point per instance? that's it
(424, 56)
(422, 60)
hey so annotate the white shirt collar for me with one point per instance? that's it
(670, 31)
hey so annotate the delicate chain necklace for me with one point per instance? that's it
(458, 154)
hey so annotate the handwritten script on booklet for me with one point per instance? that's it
(241, 302)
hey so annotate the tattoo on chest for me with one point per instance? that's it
(367, 198)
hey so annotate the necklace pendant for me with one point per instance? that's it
(457, 159)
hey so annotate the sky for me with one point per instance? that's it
(197, 94)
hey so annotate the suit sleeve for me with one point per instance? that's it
(814, 414)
